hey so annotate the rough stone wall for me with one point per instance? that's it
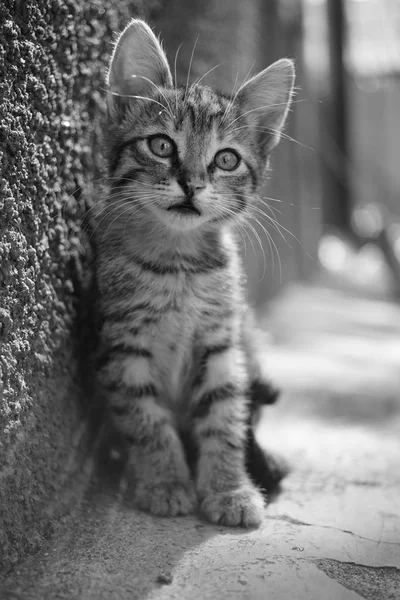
(52, 63)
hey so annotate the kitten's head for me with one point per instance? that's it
(187, 156)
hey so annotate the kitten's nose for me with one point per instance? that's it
(196, 184)
(192, 186)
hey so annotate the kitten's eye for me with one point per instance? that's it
(227, 160)
(161, 146)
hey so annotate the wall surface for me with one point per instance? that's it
(52, 64)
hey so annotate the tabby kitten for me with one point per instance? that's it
(175, 364)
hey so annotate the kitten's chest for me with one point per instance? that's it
(174, 340)
(179, 334)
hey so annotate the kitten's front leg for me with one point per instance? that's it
(227, 495)
(158, 475)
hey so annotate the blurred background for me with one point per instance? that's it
(333, 189)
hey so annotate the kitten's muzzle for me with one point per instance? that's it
(187, 207)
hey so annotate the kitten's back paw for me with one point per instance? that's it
(166, 498)
(243, 507)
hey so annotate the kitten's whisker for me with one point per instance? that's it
(241, 228)
(176, 78)
(246, 230)
(262, 212)
(130, 196)
(270, 241)
(247, 112)
(117, 217)
(227, 209)
(227, 108)
(284, 228)
(270, 208)
(197, 81)
(106, 213)
(100, 207)
(118, 200)
(82, 189)
(266, 206)
(275, 224)
(269, 198)
(190, 67)
(272, 130)
(252, 199)
(264, 257)
(128, 188)
(262, 108)
(106, 179)
(245, 80)
(272, 245)
(175, 63)
(159, 90)
(138, 98)
(130, 191)
(253, 230)
(132, 207)
(234, 85)
(107, 210)
(233, 97)
(251, 196)
(238, 228)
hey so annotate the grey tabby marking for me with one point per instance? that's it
(176, 361)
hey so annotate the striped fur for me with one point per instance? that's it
(175, 361)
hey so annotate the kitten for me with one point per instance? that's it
(176, 364)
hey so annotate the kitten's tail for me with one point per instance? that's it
(265, 469)
(262, 393)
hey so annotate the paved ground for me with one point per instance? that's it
(332, 533)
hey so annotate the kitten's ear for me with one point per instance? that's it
(138, 64)
(266, 98)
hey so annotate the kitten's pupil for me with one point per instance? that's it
(161, 146)
(227, 160)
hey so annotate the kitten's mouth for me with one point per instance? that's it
(185, 208)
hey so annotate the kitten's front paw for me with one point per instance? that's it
(166, 499)
(243, 507)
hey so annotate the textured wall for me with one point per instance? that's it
(52, 63)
